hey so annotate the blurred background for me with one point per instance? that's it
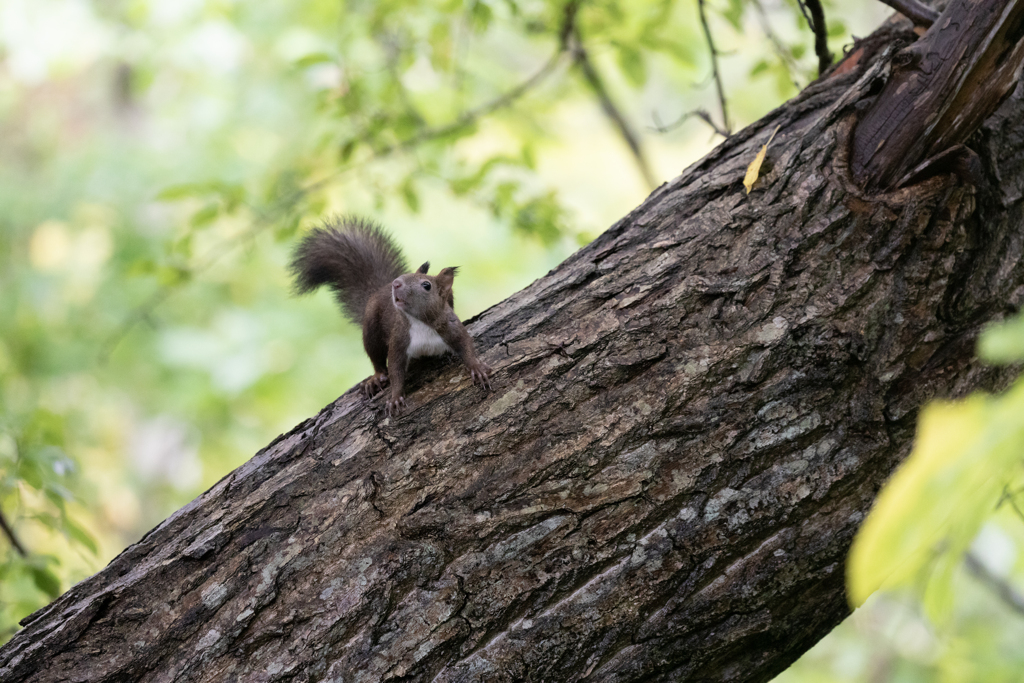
(159, 157)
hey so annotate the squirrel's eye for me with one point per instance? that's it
(426, 286)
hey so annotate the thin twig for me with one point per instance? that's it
(784, 53)
(470, 117)
(1009, 595)
(592, 78)
(1011, 497)
(500, 102)
(460, 45)
(714, 68)
(920, 14)
(568, 27)
(701, 114)
(392, 51)
(803, 11)
(820, 30)
(9, 532)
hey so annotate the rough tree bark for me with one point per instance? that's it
(691, 417)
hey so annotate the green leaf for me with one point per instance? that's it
(412, 199)
(182, 191)
(314, 58)
(169, 276)
(540, 217)
(734, 14)
(56, 494)
(205, 215)
(481, 14)
(232, 194)
(79, 534)
(460, 186)
(441, 46)
(45, 428)
(407, 124)
(141, 267)
(347, 149)
(47, 520)
(285, 230)
(45, 581)
(529, 156)
(503, 200)
(631, 61)
(1003, 342)
(759, 68)
(964, 456)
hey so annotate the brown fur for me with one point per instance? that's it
(367, 272)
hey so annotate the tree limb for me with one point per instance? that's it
(815, 15)
(9, 533)
(917, 12)
(692, 415)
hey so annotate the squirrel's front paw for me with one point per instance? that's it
(374, 384)
(395, 406)
(481, 373)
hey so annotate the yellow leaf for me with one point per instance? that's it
(755, 166)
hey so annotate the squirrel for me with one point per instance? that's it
(403, 315)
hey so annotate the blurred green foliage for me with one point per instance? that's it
(966, 460)
(158, 158)
(957, 495)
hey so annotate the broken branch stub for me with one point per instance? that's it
(940, 89)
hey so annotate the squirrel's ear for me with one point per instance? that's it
(445, 279)
(448, 275)
(424, 268)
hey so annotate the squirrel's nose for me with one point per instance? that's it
(397, 284)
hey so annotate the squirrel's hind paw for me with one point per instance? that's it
(395, 406)
(481, 375)
(374, 384)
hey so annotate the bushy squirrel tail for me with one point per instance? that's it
(352, 256)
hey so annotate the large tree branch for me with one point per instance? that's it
(692, 414)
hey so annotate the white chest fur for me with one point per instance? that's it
(423, 341)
